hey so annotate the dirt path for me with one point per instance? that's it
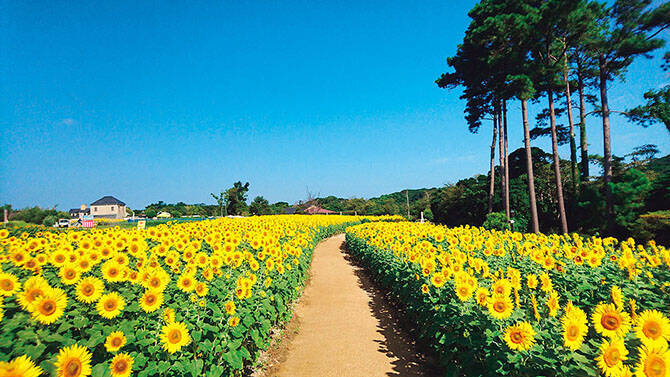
(344, 327)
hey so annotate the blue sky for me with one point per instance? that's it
(153, 101)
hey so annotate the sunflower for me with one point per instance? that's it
(69, 274)
(151, 301)
(617, 296)
(610, 321)
(652, 328)
(174, 336)
(500, 307)
(21, 366)
(552, 303)
(654, 361)
(531, 280)
(121, 365)
(112, 271)
(230, 307)
(168, 315)
(520, 336)
(89, 289)
(437, 280)
(611, 357)
(73, 361)
(110, 305)
(50, 306)
(32, 289)
(9, 284)
(501, 287)
(545, 280)
(575, 327)
(233, 321)
(186, 283)
(463, 291)
(201, 289)
(115, 341)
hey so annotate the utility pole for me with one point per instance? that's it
(407, 198)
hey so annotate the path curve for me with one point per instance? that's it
(345, 328)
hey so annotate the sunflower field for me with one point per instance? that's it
(492, 303)
(194, 299)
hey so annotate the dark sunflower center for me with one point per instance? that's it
(651, 329)
(72, 368)
(610, 322)
(174, 336)
(48, 307)
(120, 366)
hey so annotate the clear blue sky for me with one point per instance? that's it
(153, 101)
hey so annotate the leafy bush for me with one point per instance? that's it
(49, 220)
(496, 221)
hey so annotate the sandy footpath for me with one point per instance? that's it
(344, 328)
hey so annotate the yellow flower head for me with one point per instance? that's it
(520, 336)
(89, 289)
(500, 307)
(611, 357)
(73, 361)
(654, 361)
(115, 341)
(230, 307)
(174, 336)
(575, 327)
(34, 287)
(653, 328)
(110, 305)
(610, 321)
(168, 315)
(9, 284)
(47, 308)
(151, 301)
(21, 366)
(121, 365)
(233, 321)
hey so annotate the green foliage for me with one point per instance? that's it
(150, 213)
(236, 199)
(260, 206)
(49, 220)
(656, 110)
(653, 226)
(496, 221)
(629, 194)
(36, 215)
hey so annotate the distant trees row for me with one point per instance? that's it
(34, 215)
(640, 191)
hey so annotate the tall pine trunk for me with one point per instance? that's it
(504, 123)
(573, 146)
(529, 169)
(557, 164)
(501, 150)
(582, 126)
(607, 153)
(493, 163)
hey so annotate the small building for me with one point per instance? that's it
(108, 207)
(163, 215)
(290, 210)
(316, 210)
(79, 213)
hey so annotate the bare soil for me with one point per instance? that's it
(343, 327)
